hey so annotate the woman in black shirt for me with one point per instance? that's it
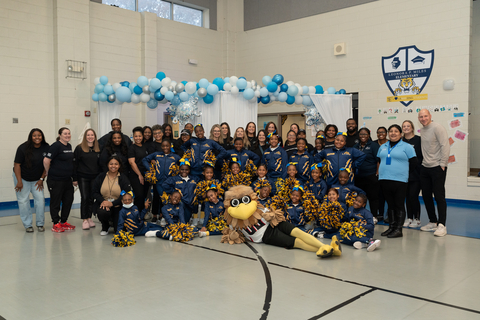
(251, 133)
(331, 131)
(115, 146)
(291, 143)
(136, 152)
(58, 164)
(86, 168)
(28, 178)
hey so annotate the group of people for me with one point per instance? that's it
(190, 174)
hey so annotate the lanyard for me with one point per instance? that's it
(390, 149)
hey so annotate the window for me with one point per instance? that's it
(163, 9)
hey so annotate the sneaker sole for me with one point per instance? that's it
(374, 246)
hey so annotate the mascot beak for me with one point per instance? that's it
(243, 211)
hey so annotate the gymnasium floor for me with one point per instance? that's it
(79, 275)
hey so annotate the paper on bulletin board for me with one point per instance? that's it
(452, 159)
(454, 124)
(451, 141)
(460, 135)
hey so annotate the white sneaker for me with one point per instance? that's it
(104, 233)
(415, 224)
(195, 222)
(441, 230)
(318, 234)
(151, 234)
(431, 226)
(359, 245)
(202, 234)
(407, 223)
(373, 244)
(163, 223)
(375, 221)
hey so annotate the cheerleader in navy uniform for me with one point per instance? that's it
(132, 220)
(204, 185)
(319, 145)
(330, 216)
(303, 161)
(316, 184)
(262, 175)
(264, 189)
(213, 224)
(346, 191)
(295, 212)
(275, 158)
(242, 154)
(234, 175)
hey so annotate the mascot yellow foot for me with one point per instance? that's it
(334, 249)
(337, 247)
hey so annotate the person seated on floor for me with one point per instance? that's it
(130, 219)
(214, 223)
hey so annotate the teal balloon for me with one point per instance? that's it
(176, 100)
(108, 89)
(95, 97)
(203, 83)
(125, 84)
(160, 75)
(331, 90)
(248, 93)
(102, 97)
(282, 96)
(219, 82)
(208, 99)
(169, 95)
(158, 95)
(278, 79)
(137, 90)
(307, 101)
(290, 100)
(183, 96)
(265, 100)
(284, 87)
(99, 88)
(142, 81)
(155, 84)
(184, 82)
(266, 80)
(212, 89)
(272, 87)
(103, 80)
(292, 90)
(241, 84)
(342, 91)
(319, 89)
(123, 94)
(152, 103)
(227, 79)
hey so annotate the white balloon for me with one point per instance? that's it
(300, 90)
(144, 97)
(163, 90)
(233, 80)
(173, 83)
(190, 87)
(311, 90)
(135, 98)
(257, 93)
(249, 85)
(115, 86)
(227, 87)
(289, 83)
(273, 98)
(234, 89)
(298, 99)
(166, 82)
(96, 80)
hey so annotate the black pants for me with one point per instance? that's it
(370, 185)
(394, 193)
(433, 182)
(156, 202)
(106, 216)
(139, 190)
(413, 203)
(86, 202)
(61, 192)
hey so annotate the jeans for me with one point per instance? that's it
(432, 181)
(23, 198)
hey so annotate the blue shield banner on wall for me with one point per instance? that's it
(406, 73)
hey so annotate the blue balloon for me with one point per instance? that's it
(183, 96)
(169, 95)
(282, 96)
(203, 83)
(198, 86)
(242, 78)
(160, 75)
(336, 92)
(241, 83)
(126, 84)
(263, 92)
(305, 90)
(99, 88)
(290, 100)
(307, 101)
(137, 90)
(184, 82)
(152, 103)
(95, 97)
(342, 91)
(158, 95)
(241, 90)
(131, 86)
(266, 80)
(108, 89)
(272, 87)
(227, 79)
(284, 87)
(208, 99)
(142, 81)
(278, 79)
(176, 100)
(318, 89)
(265, 100)
(110, 101)
(155, 84)
(212, 89)
(331, 90)
(123, 94)
(248, 93)
(219, 83)
(292, 90)
(103, 80)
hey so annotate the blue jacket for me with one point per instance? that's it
(343, 191)
(173, 213)
(276, 162)
(304, 162)
(213, 210)
(337, 159)
(319, 189)
(243, 156)
(272, 183)
(361, 214)
(163, 163)
(186, 188)
(264, 201)
(369, 165)
(295, 215)
(131, 219)
(199, 147)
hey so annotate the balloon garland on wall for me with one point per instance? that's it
(183, 96)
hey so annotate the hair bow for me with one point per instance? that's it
(212, 187)
(342, 134)
(171, 148)
(292, 164)
(184, 162)
(316, 166)
(297, 187)
(320, 137)
(234, 159)
(125, 192)
(271, 134)
(199, 125)
(345, 169)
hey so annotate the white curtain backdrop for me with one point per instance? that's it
(106, 112)
(210, 115)
(237, 111)
(334, 108)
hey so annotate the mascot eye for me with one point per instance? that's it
(235, 202)
(246, 199)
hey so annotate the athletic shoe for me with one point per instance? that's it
(202, 234)
(67, 226)
(375, 221)
(373, 244)
(103, 233)
(441, 230)
(318, 234)
(29, 230)
(163, 223)
(85, 225)
(431, 226)
(415, 224)
(111, 230)
(41, 229)
(91, 223)
(57, 228)
(151, 234)
(407, 223)
(359, 245)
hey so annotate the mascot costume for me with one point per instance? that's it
(250, 220)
